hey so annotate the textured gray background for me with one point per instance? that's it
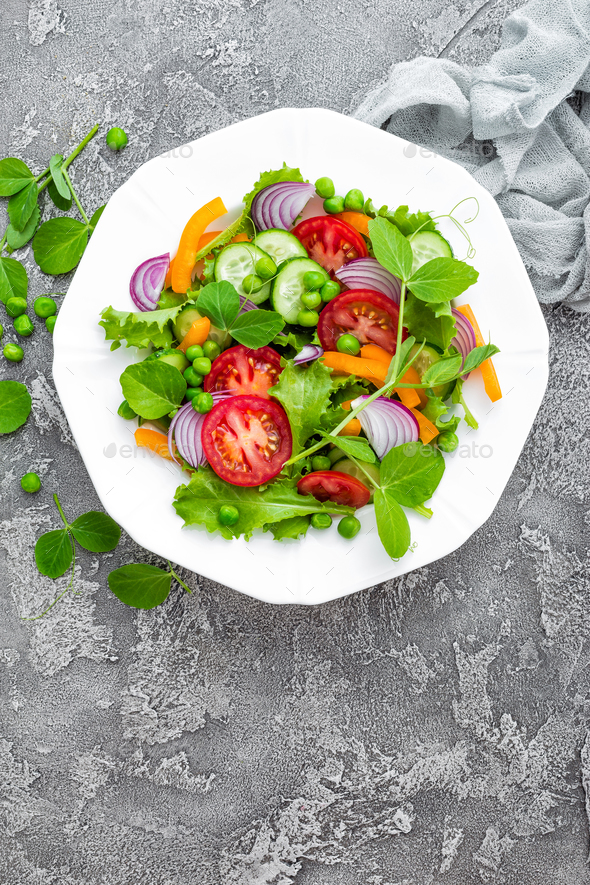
(428, 731)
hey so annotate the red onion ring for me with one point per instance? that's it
(308, 353)
(278, 205)
(185, 433)
(387, 424)
(464, 339)
(246, 305)
(367, 273)
(147, 282)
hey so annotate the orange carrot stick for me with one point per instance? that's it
(188, 247)
(353, 428)
(197, 334)
(408, 395)
(343, 364)
(427, 429)
(358, 220)
(488, 372)
(156, 442)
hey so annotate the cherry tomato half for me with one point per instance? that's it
(247, 439)
(369, 316)
(330, 241)
(330, 485)
(246, 371)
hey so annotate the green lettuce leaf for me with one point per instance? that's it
(429, 322)
(304, 393)
(409, 222)
(295, 527)
(457, 398)
(139, 329)
(435, 409)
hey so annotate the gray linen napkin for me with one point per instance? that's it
(520, 125)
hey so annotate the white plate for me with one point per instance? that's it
(145, 217)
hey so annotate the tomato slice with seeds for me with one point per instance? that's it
(241, 370)
(331, 485)
(370, 316)
(247, 439)
(330, 241)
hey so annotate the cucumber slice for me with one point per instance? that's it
(426, 245)
(288, 287)
(427, 357)
(280, 245)
(237, 261)
(349, 467)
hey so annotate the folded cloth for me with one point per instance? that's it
(520, 125)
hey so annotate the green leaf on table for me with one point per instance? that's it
(16, 239)
(444, 370)
(295, 527)
(458, 399)
(353, 446)
(53, 553)
(59, 245)
(95, 531)
(15, 405)
(442, 279)
(13, 279)
(21, 206)
(199, 501)
(140, 585)
(96, 218)
(412, 472)
(58, 177)
(477, 356)
(14, 176)
(432, 322)
(57, 199)
(391, 248)
(392, 523)
(140, 328)
(153, 388)
(220, 302)
(256, 328)
(409, 222)
(304, 393)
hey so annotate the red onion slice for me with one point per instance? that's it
(246, 305)
(278, 205)
(464, 339)
(185, 432)
(147, 282)
(308, 353)
(367, 273)
(387, 424)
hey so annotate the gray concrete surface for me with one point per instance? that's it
(428, 731)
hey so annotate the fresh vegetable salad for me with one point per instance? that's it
(299, 370)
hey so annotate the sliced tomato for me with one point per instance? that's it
(330, 241)
(246, 371)
(247, 439)
(369, 316)
(331, 485)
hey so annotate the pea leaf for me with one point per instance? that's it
(457, 398)
(59, 181)
(59, 245)
(256, 328)
(96, 531)
(96, 218)
(442, 371)
(21, 206)
(198, 503)
(409, 222)
(412, 472)
(358, 448)
(16, 239)
(15, 405)
(442, 279)
(478, 355)
(14, 176)
(432, 322)
(53, 553)
(392, 523)
(295, 527)
(140, 585)
(220, 302)
(391, 248)
(57, 199)
(304, 392)
(140, 329)
(13, 279)
(153, 388)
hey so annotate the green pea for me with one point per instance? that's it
(44, 307)
(349, 527)
(203, 403)
(125, 411)
(321, 520)
(30, 482)
(202, 365)
(324, 188)
(194, 352)
(447, 441)
(311, 299)
(333, 205)
(16, 306)
(13, 352)
(211, 350)
(252, 283)
(116, 139)
(50, 323)
(192, 393)
(330, 290)
(321, 462)
(23, 325)
(308, 318)
(313, 279)
(228, 514)
(265, 267)
(192, 378)
(348, 344)
(354, 200)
